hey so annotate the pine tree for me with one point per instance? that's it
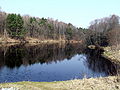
(15, 25)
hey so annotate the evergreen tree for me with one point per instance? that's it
(15, 25)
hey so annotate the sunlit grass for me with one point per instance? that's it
(102, 83)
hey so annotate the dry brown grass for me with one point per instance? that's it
(8, 40)
(106, 83)
(113, 55)
(36, 41)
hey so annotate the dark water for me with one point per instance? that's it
(53, 62)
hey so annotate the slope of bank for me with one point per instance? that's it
(111, 54)
(103, 83)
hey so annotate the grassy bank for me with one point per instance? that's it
(34, 41)
(111, 54)
(8, 40)
(103, 83)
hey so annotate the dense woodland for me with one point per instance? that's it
(19, 27)
(105, 32)
(102, 32)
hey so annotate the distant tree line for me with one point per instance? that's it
(17, 26)
(102, 32)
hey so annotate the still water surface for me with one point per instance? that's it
(53, 62)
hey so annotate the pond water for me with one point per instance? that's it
(53, 62)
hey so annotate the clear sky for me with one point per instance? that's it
(78, 12)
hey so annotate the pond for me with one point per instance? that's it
(51, 62)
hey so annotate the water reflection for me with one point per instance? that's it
(51, 62)
(97, 63)
(18, 55)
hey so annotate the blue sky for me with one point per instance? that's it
(78, 12)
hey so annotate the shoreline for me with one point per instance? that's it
(108, 53)
(112, 55)
(35, 41)
(101, 83)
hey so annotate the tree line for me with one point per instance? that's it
(20, 27)
(102, 32)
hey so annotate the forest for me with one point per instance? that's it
(101, 32)
(20, 27)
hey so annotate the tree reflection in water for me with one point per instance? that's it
(18, 55)
(51, 62)
(97, 63)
